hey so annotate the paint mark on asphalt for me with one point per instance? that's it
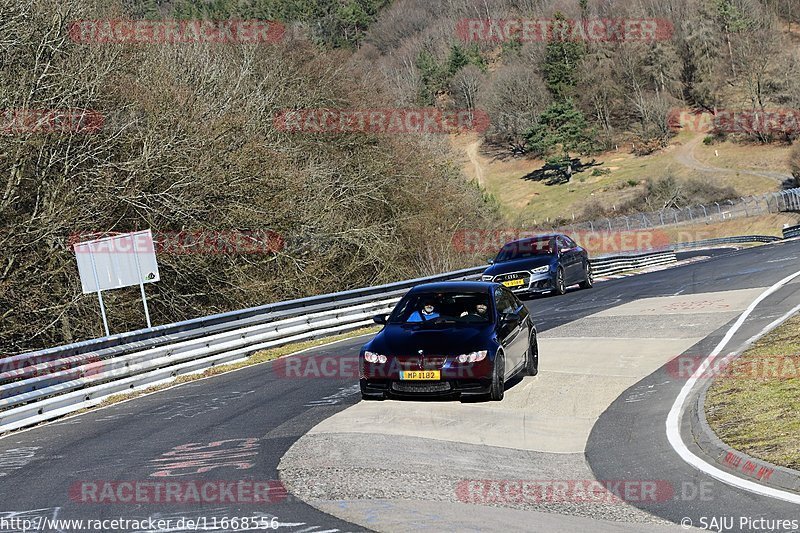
(197, 458)
(186, 409)
(16, 458)
(641, 393)
(336, 398)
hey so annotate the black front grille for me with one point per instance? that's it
(433, 362)
(428, 362)
(421, 387)
(514, 275)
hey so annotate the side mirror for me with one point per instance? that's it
(379, 319)
(490, 262)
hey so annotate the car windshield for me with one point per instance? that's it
(430, 309)
(527, 248)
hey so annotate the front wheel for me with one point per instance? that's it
(532, 363)
(498, 388)
(588, 281)
(558, 283)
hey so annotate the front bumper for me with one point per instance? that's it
(443, 388)
(532, 283)
(455, 378)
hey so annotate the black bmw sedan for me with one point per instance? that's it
(463, 338)
(545, 263)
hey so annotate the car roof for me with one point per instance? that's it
(535, 238)
(454, 286)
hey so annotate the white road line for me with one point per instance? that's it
(772, 325)
(674, 418)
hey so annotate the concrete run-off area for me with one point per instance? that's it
(395, 465)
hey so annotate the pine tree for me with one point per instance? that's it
(561, 63)
(561, 130)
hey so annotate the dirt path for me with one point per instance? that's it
(684, 155)
(472, 153)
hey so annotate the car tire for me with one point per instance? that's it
(559, 288)
(498, 388)
(588, 282)
(532, 361)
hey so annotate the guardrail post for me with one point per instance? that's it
(627, 223)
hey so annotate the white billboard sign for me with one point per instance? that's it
(118, 261)
(114, 262)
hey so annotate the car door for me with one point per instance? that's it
(569, 258)
(511, 334)
(525, 326)
(580, 258)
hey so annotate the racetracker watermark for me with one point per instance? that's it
(129, 31)
(516, 491)
(732, 121)
(751, 367)
(41, 121)
(549, 30)
(69, 368)
(347, 367)
(194, 242)
(390, 121)
(179, 492)
(596, 242)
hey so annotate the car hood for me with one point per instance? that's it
(527, 263)
(440, 340)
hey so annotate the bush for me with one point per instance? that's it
(794, 162)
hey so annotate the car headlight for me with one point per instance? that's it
(472, 357)
(540, 270)
(487, 278)
(372, 357)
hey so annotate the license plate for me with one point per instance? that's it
(426, 375)
(514, 282)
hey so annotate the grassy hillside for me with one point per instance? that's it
(619, 177)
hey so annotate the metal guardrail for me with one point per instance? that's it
(46, 384)
(741, 239)
(617, 264)
(791, 232)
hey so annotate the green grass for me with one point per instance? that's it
(620, 176)
(758, 412)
